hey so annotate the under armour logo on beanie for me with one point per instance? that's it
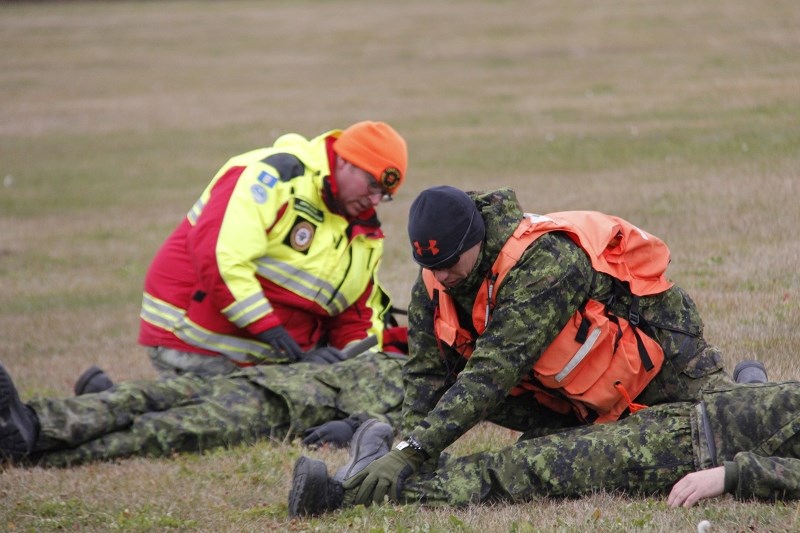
(443, 222)
(421, 250)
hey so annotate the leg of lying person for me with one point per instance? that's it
(67, 422)
(182, 414)
(645, 453)
(741, 439)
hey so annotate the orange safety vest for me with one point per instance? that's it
(599, 361)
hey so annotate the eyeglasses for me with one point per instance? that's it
(373, 187)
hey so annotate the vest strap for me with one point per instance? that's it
(632, 407)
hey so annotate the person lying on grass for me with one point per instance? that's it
(742, 439)
(191, 413)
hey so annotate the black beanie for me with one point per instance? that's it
(443, 222)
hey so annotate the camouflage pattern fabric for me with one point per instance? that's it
(155, 418)
(193, 413)
(446, 395)
(755, 429)
(370, 384)
(644, 452)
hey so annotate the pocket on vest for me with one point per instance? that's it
(587, 368)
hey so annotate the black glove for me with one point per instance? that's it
(326, 355)
(280, 339)
(336, 432)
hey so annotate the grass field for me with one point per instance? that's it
(681, 116)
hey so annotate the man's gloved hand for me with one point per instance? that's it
(280, 339)
(336, 432)
(383, 476)
(326, 355)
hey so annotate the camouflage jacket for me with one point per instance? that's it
(446, 395)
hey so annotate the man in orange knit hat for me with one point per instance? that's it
(277, 261)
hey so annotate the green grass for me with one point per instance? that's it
(683, 117)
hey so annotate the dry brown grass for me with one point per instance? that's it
(683, 117)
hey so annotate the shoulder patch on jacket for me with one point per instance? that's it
(287, 165)
(267, 179)
(259, 193)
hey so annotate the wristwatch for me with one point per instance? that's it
(413, 443)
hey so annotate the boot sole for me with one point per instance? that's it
(16, 429)
(309, 483)
(747, 365)
(83, 381)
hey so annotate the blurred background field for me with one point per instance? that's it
(683, 117)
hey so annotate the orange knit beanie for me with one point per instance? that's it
(377, 148)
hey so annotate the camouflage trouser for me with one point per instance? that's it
(645, 453)
(697, 366)
(156, 418)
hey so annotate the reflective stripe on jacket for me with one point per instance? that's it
(599, 362)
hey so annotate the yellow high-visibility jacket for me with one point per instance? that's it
(264, 246)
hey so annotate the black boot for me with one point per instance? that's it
(313, 492)
(19, 426)
(92, 380)
(750, 372)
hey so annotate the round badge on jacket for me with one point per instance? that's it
(301, 236)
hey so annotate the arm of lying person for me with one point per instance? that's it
(697, 486)
(749, 475)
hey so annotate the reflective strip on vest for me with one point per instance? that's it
(302, 283)
(579, 356)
